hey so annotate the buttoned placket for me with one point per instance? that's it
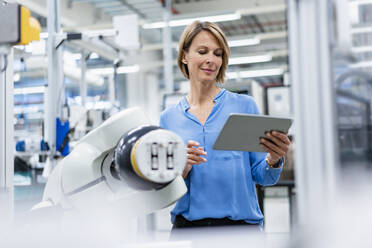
(203, 127)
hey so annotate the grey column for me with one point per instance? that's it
(83, 82)
(6, 136)
(316, 155)
(111, 89)
(55, 76)
(167, 49)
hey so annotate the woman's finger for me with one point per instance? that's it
(273, 147)
(192, 143)
(273, 153)
(196, 158)
(196, 151)
(278, 142)
(283, 137)
(192, 162)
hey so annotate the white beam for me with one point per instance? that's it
(93, 47)
(313, 95)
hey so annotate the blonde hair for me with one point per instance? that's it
(188, 36)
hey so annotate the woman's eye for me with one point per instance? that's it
(218, 54)
(201, 52)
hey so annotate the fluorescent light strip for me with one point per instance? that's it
(120, 70)
(29, 90)
(256, 73)
(102, 71)
(361, 49)
(361, 2)
(250, 59)
(244, 42)
(184, 22)
(361, 30)
(128, 69)
(367, 63)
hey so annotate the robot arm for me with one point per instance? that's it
(125, 165)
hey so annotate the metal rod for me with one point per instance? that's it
(55, 76)
(167, 49)
(83, 83)
(6, 136)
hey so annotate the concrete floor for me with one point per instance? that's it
(29, 189)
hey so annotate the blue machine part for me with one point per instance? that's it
(62, 130)
(43, 145)
(21, 146)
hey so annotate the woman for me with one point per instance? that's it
(221, 184)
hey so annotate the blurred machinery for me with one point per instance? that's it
(354, 97)
(16, 27)
(277, 101)
(125, 167)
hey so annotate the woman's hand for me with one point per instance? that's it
(193, 156)
(276, 144)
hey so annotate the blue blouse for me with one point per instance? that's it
(225, 185)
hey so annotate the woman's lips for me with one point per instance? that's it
(208, 71)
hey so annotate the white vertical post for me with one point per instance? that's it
(6, 135)
(83, 83)
(316, 153)
(55, 76)
(153, 100)
(111, 89)
(343, 24)
(167, 49)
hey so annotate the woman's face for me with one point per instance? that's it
(204, 58)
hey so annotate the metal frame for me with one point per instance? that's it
(6, 135)
(55, 77)
(313, 99)
(83, 82)
(167, 49)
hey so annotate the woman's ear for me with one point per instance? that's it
(184, 59)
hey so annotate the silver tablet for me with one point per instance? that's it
(242, 132)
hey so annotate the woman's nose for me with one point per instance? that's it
(210, 58)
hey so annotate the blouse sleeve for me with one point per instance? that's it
(262, 173)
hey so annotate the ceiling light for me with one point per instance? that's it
(29, 90)
(362, 64)
(128, 69)
(187, 21)
(244, 42)
(250, 59)
(361, 2)
(120, 70)
(359, 30)
(361, 49)
(256, 73)
(102, 71)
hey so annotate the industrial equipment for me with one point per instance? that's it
(125, 167)
(16, 27)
